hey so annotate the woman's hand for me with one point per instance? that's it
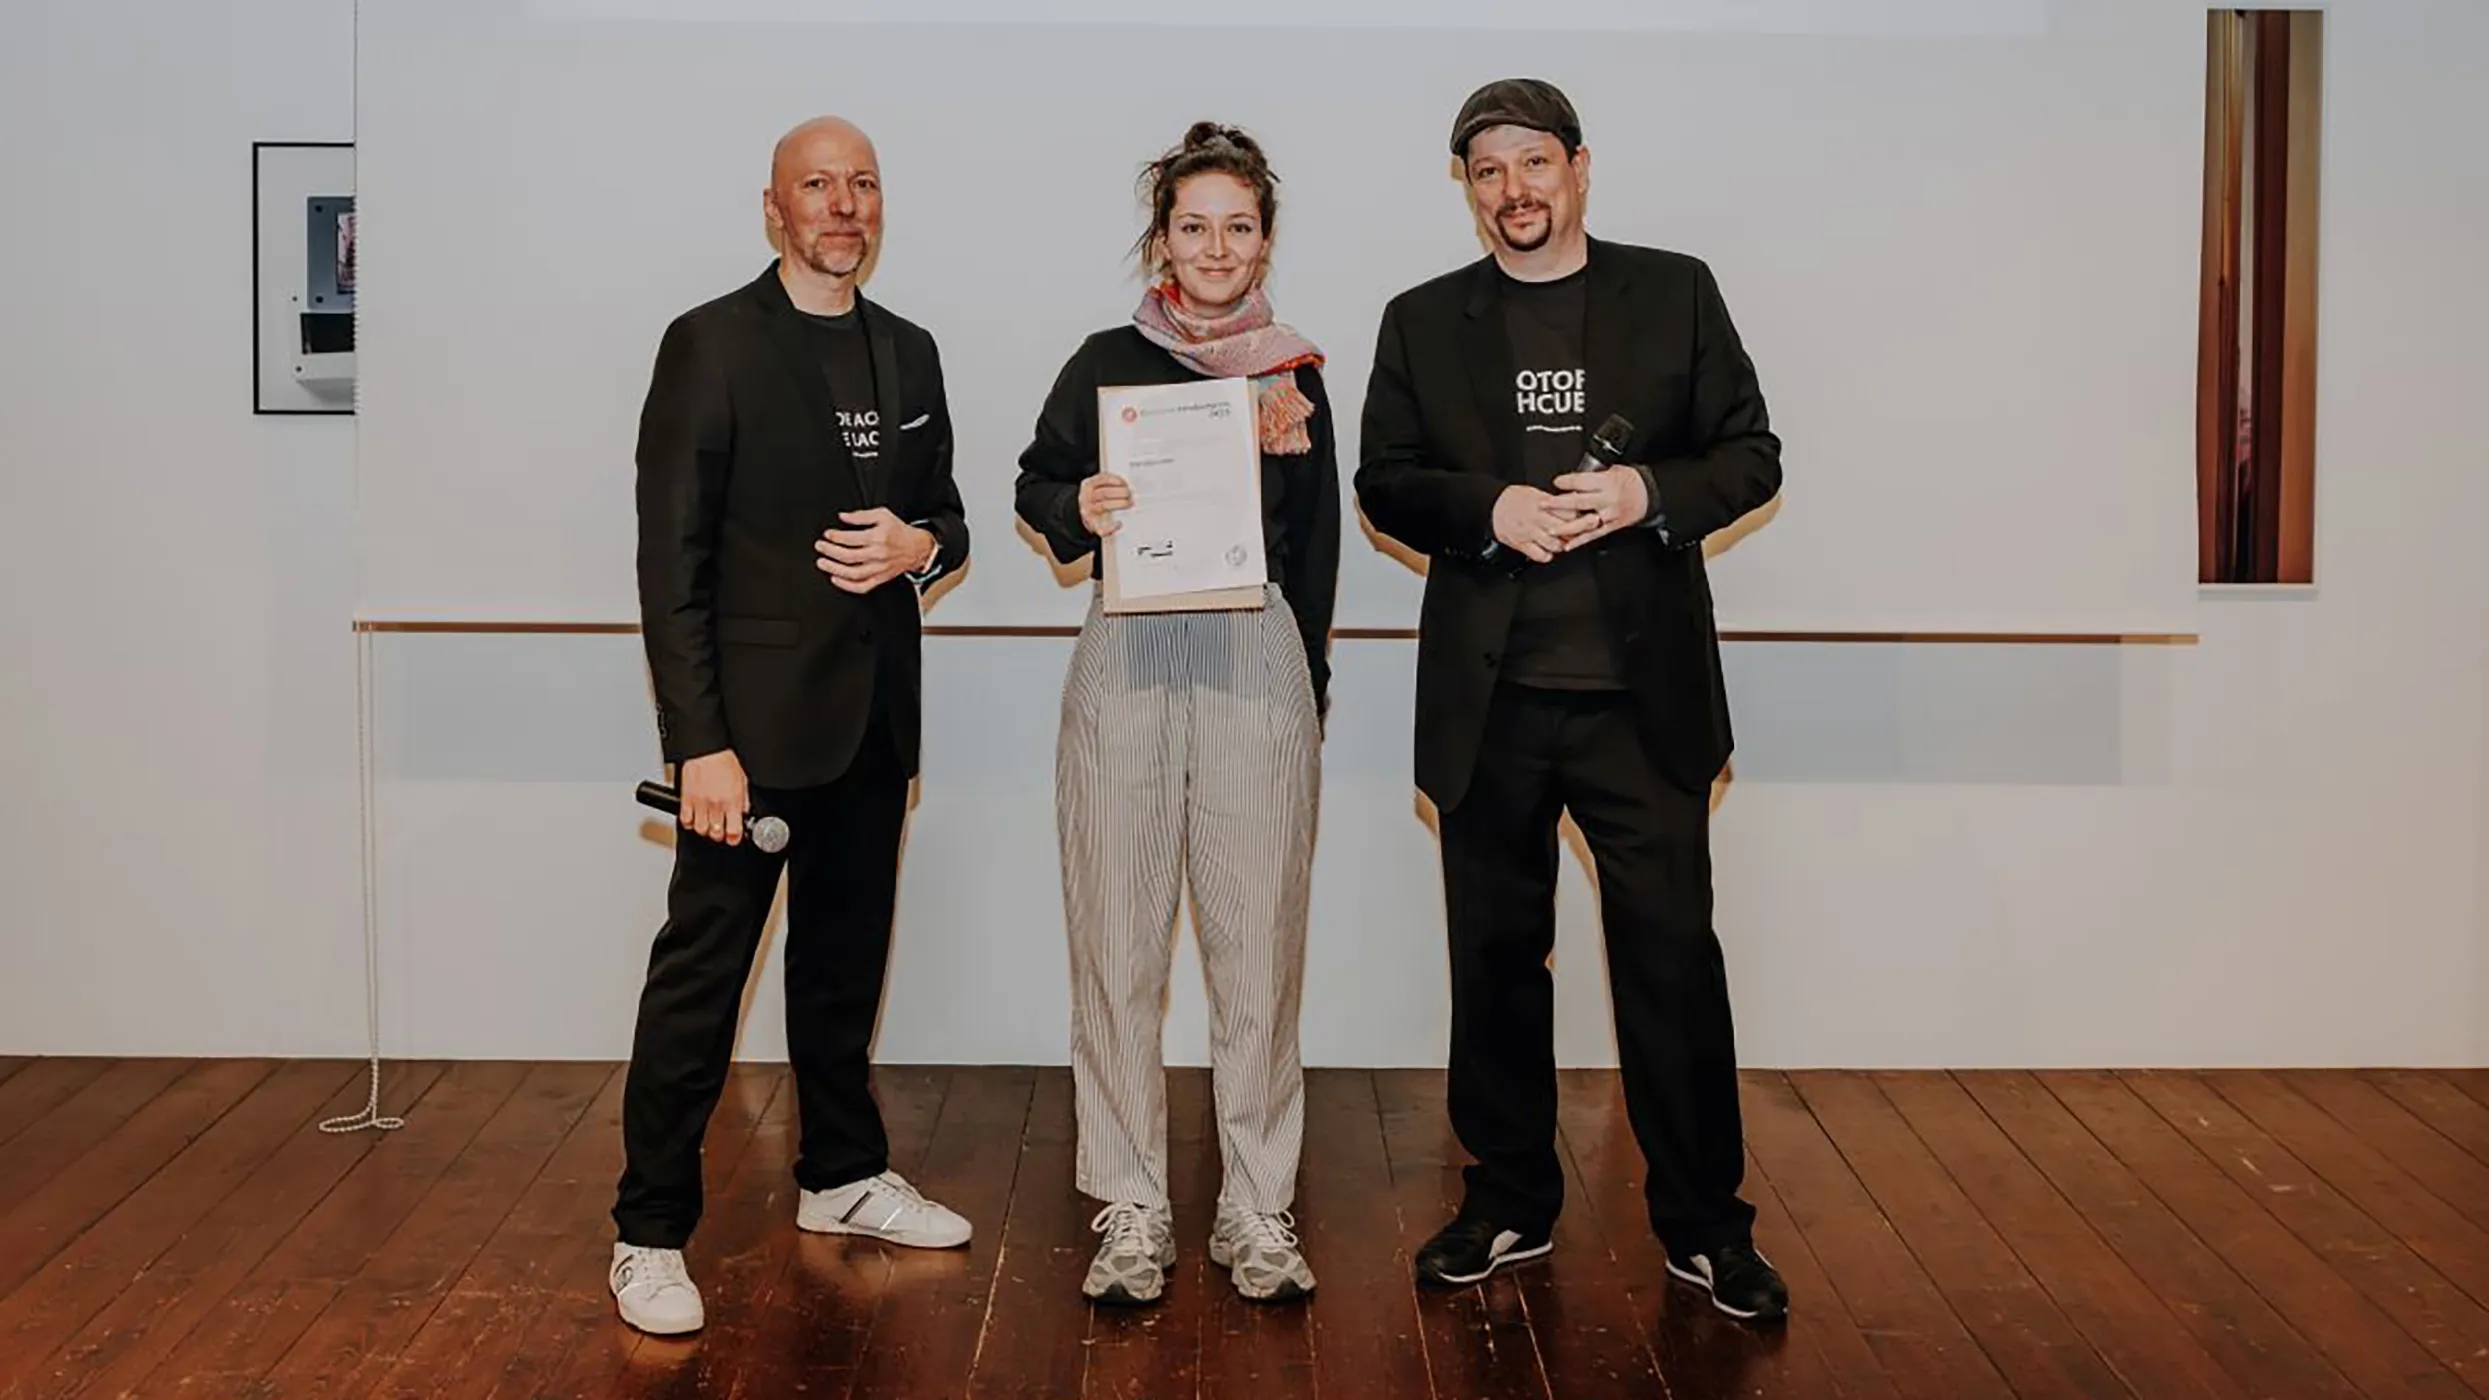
(1100, 497)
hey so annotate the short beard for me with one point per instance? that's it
(818, 260)
(1546, 231)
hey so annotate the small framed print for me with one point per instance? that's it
(303, 277)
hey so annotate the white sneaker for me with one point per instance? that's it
(654, 1290)
(884, 1207)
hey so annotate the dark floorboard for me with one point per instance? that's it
(182, 1228)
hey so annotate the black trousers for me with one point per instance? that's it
(841, 864)
(1544, 752)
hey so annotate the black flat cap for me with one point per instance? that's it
(1529, 102)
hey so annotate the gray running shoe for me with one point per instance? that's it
(1132, 1261)
(1260, 1254)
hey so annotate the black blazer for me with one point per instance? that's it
(751, 647)
(1300, 492)
(1440, 442)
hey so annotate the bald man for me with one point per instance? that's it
(795, 499)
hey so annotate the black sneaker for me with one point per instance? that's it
(1741, 1282)
(1471, 1247)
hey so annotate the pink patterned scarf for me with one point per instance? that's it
(1245, 343)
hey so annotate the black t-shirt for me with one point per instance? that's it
(1558, 639)
(847, 364)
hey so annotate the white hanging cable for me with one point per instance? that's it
(370, 1117)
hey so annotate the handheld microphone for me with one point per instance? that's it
(768, 833)
(1606, 446)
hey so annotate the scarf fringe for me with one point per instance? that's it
(1282, 412)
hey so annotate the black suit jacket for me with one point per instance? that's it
(1441, 441)
(750, 645)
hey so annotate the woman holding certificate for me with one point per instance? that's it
(1189, 454)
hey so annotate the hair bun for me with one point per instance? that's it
(1205, 135)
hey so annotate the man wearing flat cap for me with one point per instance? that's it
(1567, 660)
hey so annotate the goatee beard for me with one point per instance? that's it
(1531, 245)
(827, 263)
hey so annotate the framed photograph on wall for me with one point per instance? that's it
(302, 276)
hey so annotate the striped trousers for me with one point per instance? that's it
(1189, 756)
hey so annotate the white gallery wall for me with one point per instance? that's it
(1967, 160)
(2266, 848)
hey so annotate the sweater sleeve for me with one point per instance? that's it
(1311, 516)
(1061, 453)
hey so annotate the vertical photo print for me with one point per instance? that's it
(303, 278)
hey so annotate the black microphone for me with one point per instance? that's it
(1604, 449)
(1607, 445)
(768, 833)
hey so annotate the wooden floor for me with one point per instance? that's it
(181, 1229)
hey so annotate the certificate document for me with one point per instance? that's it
(1192, 537)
